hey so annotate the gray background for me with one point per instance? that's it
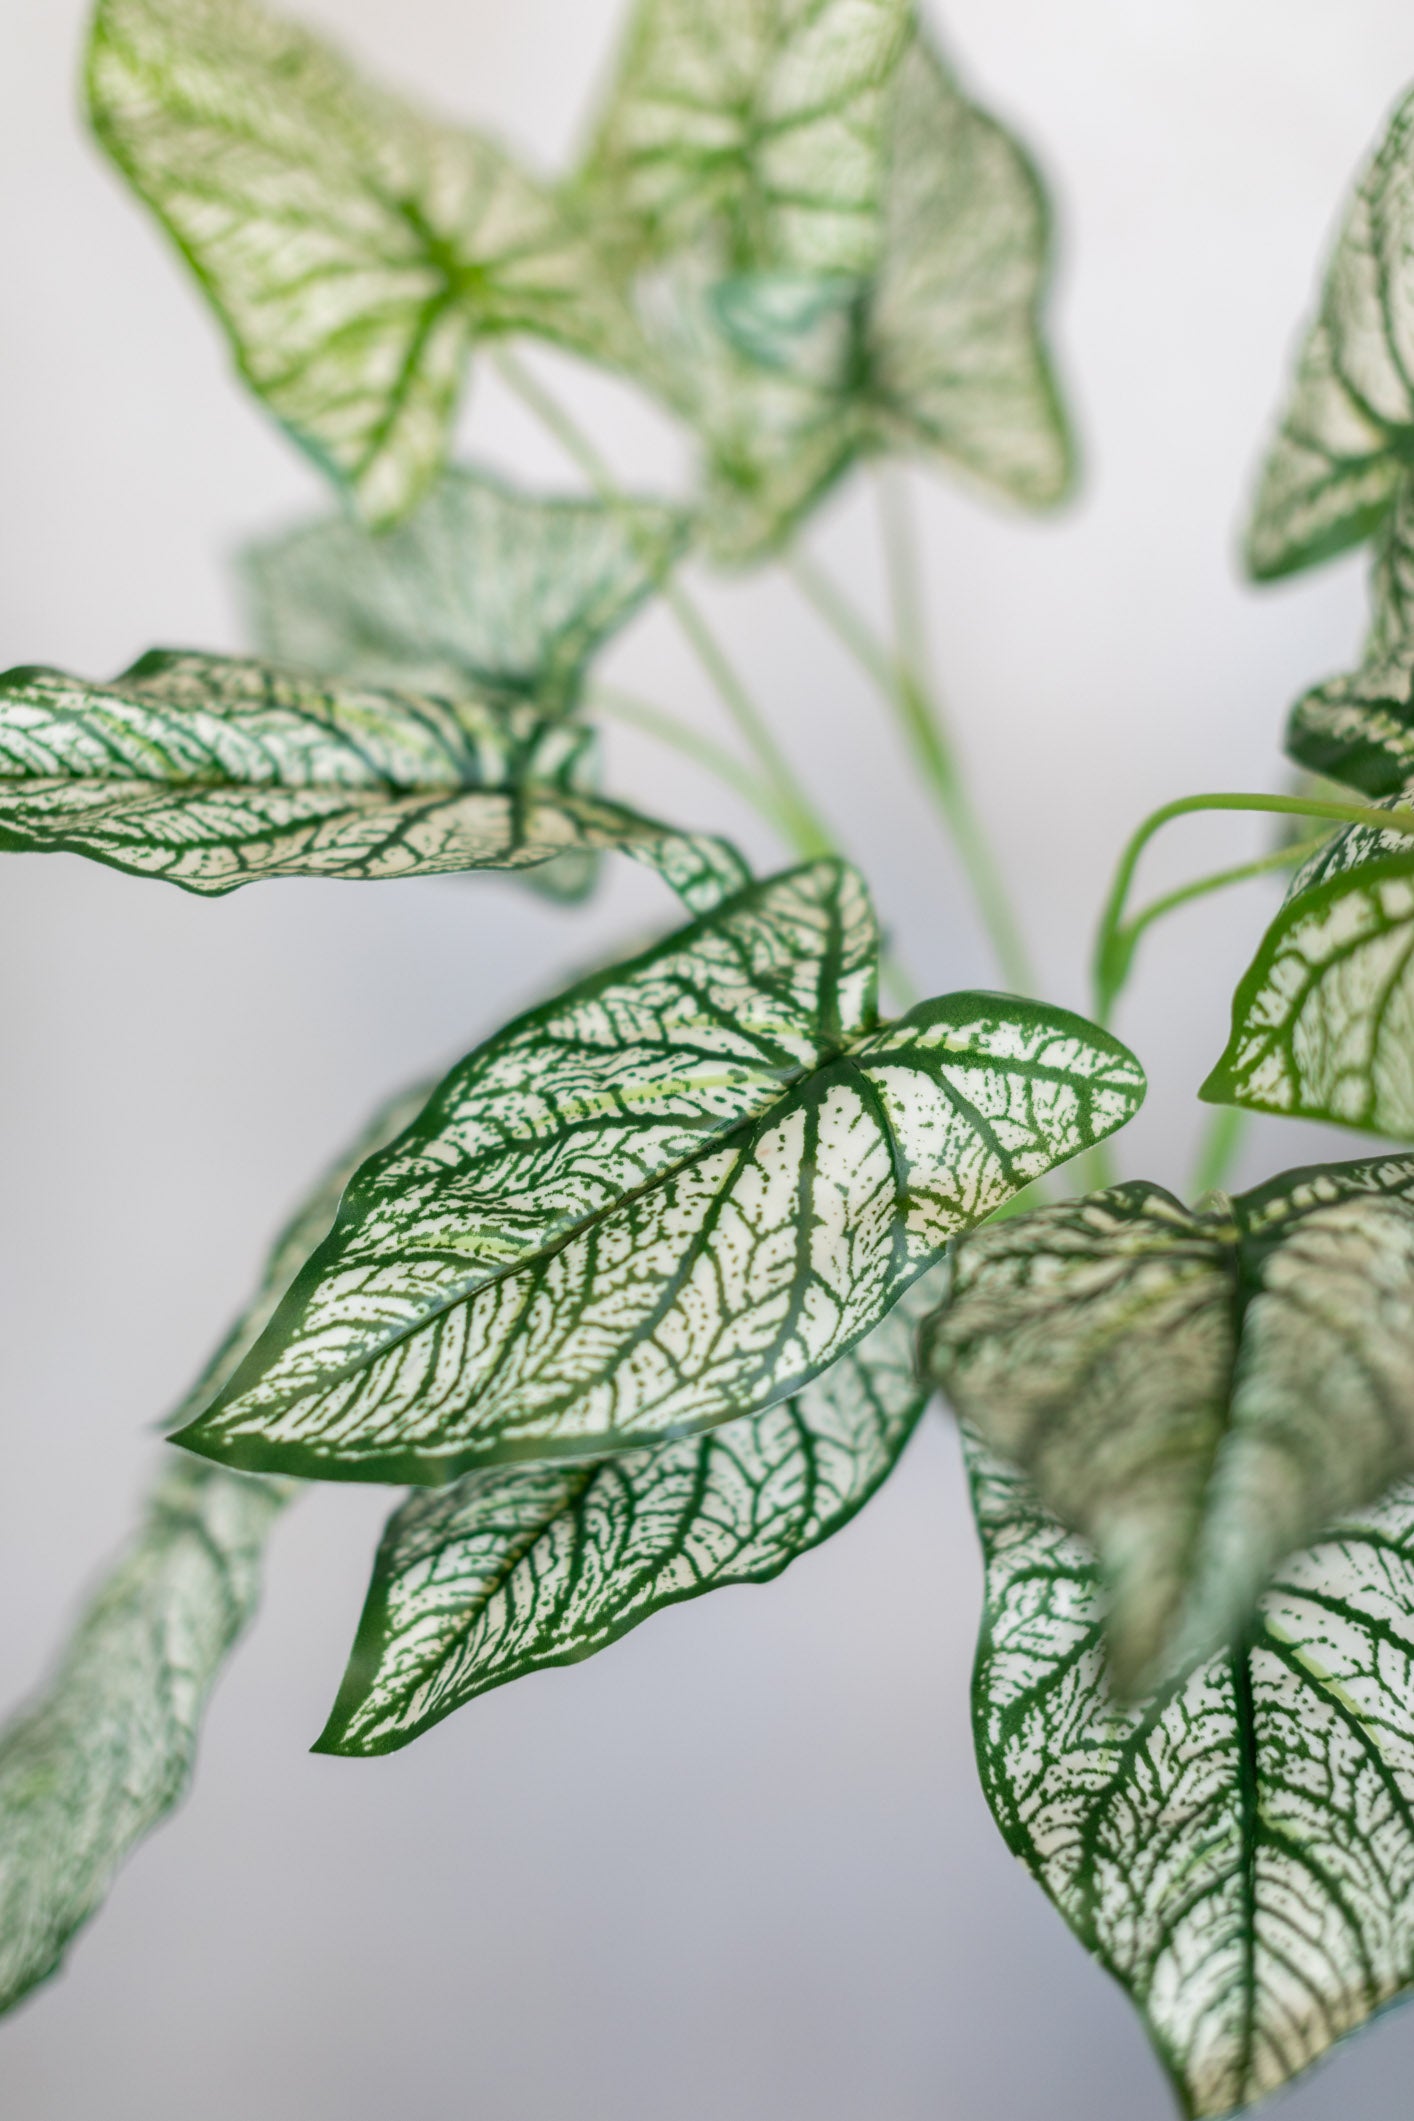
(737, 1868)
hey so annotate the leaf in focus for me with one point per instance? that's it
(1239, 1855)
(1348, 427)
(216, 771)
(354, 250)
(955, 358)
(670, 1196)
(761, 130)
(1197, 1393)
(106, 1749)
(484, 589)
(1323, 1019)
(518, 1568)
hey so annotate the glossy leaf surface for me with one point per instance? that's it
(484, 587)
(674, 1194)
(1348, 426)
(1322, 1020)
(955, 358)
(106, 1749)
(1198, 1394)
(353, 249)
(216, 771)
(1241, 1856)
(518, 1568)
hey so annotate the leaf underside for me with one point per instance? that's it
(484, 588)
(106, 1749)
(353, 249)
(1240, 1856)
(1348, 427)
(1197, 1394)
(217, 771)
(519, 1568)
(670, 1196)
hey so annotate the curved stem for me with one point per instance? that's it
(1125, 939)
(807, 830)
(656, 722)
(1111, 965)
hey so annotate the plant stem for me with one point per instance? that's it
(807, 831)
(1222, 1138)
(656, 722)
(903, 678)
(1111, 965)
(1126, 937)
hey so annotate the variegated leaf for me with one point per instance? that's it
(1348, 426)
(1240, 1856)
(483, 588)
(215, 771)
(518, 1568)
(106, 1749)
(671, 1196)
(353, 249)
(954, 355)
(1199, 1393)
(758, 129)
(1323, 1019)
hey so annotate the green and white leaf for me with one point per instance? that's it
(759, 131)
(518, 1568)
(106, 1749)
(1348, 427)
(1323, 1019)
(216, 771)
(1199, 1394)
(484, 588)
(353, 249)
(1240, 1856)
(673, 1195)
(955, 358)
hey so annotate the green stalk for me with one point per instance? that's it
(1221, 1140)
(656, 722)
(807, 830)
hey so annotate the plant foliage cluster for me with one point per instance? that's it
(648, 1294)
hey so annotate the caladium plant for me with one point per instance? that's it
(645, 1297)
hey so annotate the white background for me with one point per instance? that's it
(737, 1869)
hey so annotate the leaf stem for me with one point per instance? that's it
(1114, 944)
(807, 830)
(656, 722)
(1221, 1140)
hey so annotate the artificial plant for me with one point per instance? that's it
(646, 1296)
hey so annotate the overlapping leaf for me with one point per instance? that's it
(1348, 427)
(1199, 1394)
(484, 587)
(353, 249)
(671, 1196)
(518, 1568)
(955, 360)
(1240, 1856)
(215, 771)
(1323, 1019)
(106, 1749)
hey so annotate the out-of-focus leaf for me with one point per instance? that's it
(353, 249)
(1199, 1393)
(518, 1568)
(215, 771)
(1240, 1856)
(483, 589)
(672, 1195)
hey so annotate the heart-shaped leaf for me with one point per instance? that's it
(1239, 1856)
(673, 1195)
(954, 357)
(106, 1750)
(483, 588)
(215, 771)
(1323, 1018)
(761, 130)
(353, 249)
(518, 1568)
(1348, 427)
(1198, 1394)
